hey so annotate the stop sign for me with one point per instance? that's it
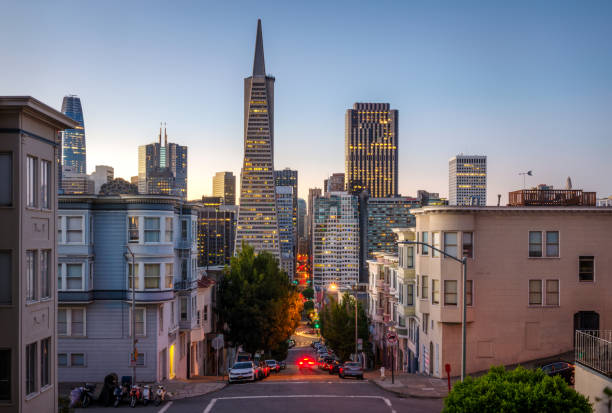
(391, 337)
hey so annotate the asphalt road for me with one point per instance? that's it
(297, 391)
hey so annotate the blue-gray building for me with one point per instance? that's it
(286, 229)
(97, 236)
(383, 215)
(73, 140)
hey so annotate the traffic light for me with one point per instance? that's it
(316, 324)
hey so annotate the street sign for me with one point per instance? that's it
(391, 337)
(217, 342)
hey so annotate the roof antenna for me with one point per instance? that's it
(165, 135)
(498, 199)
(160, 126)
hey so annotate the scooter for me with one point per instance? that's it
(160, 395)
(135, 395)
(82, 396)
(120, 393)
(146, 394)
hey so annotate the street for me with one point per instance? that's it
(293, 390)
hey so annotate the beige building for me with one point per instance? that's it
(224, 186)
(534, 275)
(29, 147)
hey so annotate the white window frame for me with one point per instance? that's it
(64, 276)
(32, 284)
(45, 187)
(456, 245)
(169, 230)
(545, 292)
(160, 284)
(65, 230)
(138, 229)
(436, 243)
(529, 293)
(158, 230)
(69, 321)
(140, 308)
(31, 182)
(456, 303)
(544, 244)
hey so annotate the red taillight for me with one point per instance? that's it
(301, 362)
(310, 362)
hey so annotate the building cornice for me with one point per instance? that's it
(508, 210)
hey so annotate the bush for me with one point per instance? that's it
(308, 293)
(518, 390)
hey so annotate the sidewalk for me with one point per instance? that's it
(410, 385)
(182, 388)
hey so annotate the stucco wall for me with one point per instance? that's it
(591, 384)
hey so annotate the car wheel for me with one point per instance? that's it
(571, 380)
(86, 401)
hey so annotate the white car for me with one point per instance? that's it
(242, 371)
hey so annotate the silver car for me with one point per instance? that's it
(351, 369)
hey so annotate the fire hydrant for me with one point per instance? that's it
(382, 372)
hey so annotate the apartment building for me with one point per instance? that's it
(535, 274)
(29, 147)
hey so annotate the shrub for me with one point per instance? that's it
(518, 390)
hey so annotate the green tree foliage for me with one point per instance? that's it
(308, 306)
(258, 305)
(518, 390)
(308, 293)
(338, 325)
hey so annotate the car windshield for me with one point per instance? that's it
(271, 361)
(352, 364)
(244, 365)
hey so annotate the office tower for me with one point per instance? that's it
(289, 177)
(29, 148)
(286, 229)
(102, 175)
(467, 180)
(335, 244)
(162, 168)
(371, 149)
(75, 183)
(301, 230)
(335, 183)
(257, 220)
(73, 140)
(313, 193)
(216, 232)
(224, 185)
(430, 198)
(384, 214)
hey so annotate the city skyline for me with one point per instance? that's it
(472, 80)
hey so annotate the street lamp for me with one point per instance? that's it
(463, 262)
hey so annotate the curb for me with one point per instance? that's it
(181, 396)
(405, 395)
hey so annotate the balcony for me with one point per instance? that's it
(75, 296)
(151, 296)
(594, 350)
(185, 285)
(552, 197)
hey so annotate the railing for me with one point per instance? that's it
(594, 349)
(552, 197)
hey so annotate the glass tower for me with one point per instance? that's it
(73, 140)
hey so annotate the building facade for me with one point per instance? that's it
(286, 228)
(370, 149)
(335, 243)
(73, 140)
(29, 147)
(335, 183)
(467, 180)
(384, 214)
(224, 185)
(301, 224)
(216, 232)
(105, 243)
(102, 175)
(257, 219)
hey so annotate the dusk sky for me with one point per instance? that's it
(529, 84)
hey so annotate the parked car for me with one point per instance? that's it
(244, 357)
(334, 366)
(283, 364)
(560, 368)
(242, 371)
(325, 362)
(306, 363)
(291, 343)
(274, 366)
(265, 369)
(351, 369)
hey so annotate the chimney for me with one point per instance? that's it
(498, 199)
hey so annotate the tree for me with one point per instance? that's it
(518, 390)
(308, 306)
(258, 305)
(338, 325)
(308, 293)
(118, 186)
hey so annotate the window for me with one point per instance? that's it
(151, 229)
(161, 318)
(6, 289)
(169, 274)
(206, 312)
(425, 322)
(71, 321)
(184, 229)
(140, 361)
(169, 229)
(401, 293)
(436, 243)
(535, 244)
(45, 371)
(130, 272)
(425, 248)
(172, 315)
(535, 292)
(31, 276)
(5, 374)
(151, 276)
(31, 182)
(435, 291)
(77, 360)
(450, 292)
(193, 307)
(450, 243)
(184, 268)
(552, 243)
(31, 368)
(74, 229)
(469, 293)
(62, 360)
(183, 308)
(552, 292)
(74, 277)
(60, 238)
(410, 294)
(424, 286)
(140, 321)
(6, 181)
(133, 234)
(468, 244)
(586, 268)
(45, 274)
(198, 317)
(45, 193)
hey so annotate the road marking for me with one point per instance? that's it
(166, 407)
(312, 382)
(210, 405)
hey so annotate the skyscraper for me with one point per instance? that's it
(371, 149)
(73, 140)
(216, 230)
(162, 169)
(467, 180)
(301, 230)
(313, 193)
(286, 229)
(224, 185)
(257, 219)
(289, 177)
(334, 183)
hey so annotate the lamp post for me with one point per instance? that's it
(133, 316)
(463, 262)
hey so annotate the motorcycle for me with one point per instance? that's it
(160, 395)
(122, 391)
(135, 395)
(146, 394)
(82, 396)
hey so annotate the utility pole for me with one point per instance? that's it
(134, 341)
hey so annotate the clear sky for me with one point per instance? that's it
(527, 83)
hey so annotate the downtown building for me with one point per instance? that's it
(216, 232)
(288, 178)
(162, 168)
(257, 216)
(335, 242)
(29, 149)
(467, 180)
(335, 183)
(74, 154)
(224, 186)
(104, 244)
(286, 228)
